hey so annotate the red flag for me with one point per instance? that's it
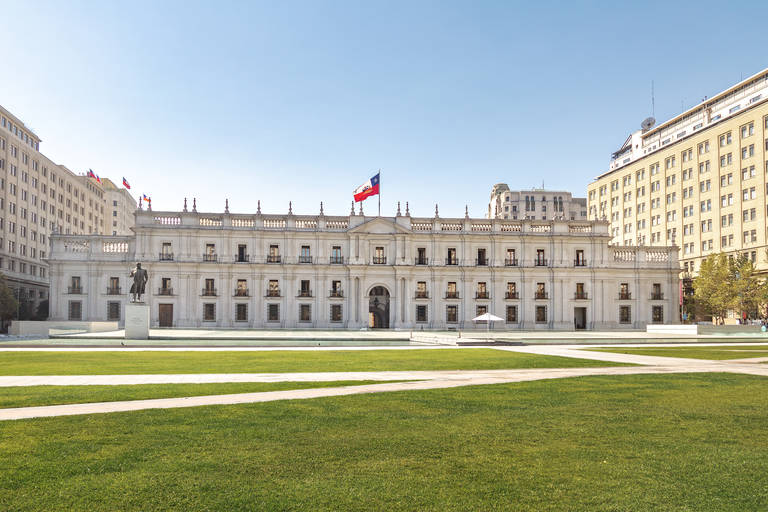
(367, 189)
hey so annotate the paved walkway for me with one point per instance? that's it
(415, 380)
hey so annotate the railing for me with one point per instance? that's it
(274, 223)
(511, 295)
(510, 262)
(74, 290)
(541, 295)
(481, 295)
(273, 258)
(541, 262)
(421, 261)
(168, 220)
(304, 293)
(242, 258)
(166, 256)
(451, 295)
(211, 258)
(305, 259)
(239, 222)
(336, 293)
(421, 295)
(239, 292)
(625, 296)
(580, 296)
(481, 262)
(379, 260)
(273, 293)
(579, 263)
(421, 226)
(336, 260)
(113, 290)
(210, 222)
(657, 296)
(165, 291)
(114, 247)
(451, 261)
(209, 292)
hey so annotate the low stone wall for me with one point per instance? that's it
(691, 329)
(46, 327)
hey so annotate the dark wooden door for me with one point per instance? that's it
(165, 314)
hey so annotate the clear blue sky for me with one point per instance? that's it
(303, 101)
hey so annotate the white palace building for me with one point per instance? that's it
(299, 271)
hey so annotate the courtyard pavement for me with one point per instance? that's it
(414, 380)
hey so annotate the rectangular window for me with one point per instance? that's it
(378, 256)
(658, 314)
(451, 292)
(305, 312)
(304, 290)
(421, 313)
(113, 311)
(541, 314)
(75, 310)
(273, 289)
(451, 259)
(511, 314)
(241, 290)
(209, 312)
(336, 254)
(481, 310)
(625, 314)
(273, 312)
(451, 314)
(421, 290)
(241, 312)
(336, 313)
(306, 256)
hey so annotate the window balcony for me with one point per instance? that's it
(336, 293)
(305, 259)
(511, 295)
(166, 256)
(481, 295)
(165, 291)
(481, 262)
(540, 262)
(421, 261)
(510, 262)
(74, 290)
(304, 293)
(241, 292)
(273, 293)
(451, 261)
(336, 260)
(451, 295)
(579, 263)
(625, 296)
(657, 296)
(113, 290)
(242, 258)
(421, 295)
(541, 295)
(273, 258)
(379, 260)
(211, 258)
(580, 296)
(209, 292)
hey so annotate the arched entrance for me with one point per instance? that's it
(378, 308)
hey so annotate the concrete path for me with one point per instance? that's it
(415, 380)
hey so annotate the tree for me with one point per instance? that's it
(8, 304)
(748, 290)
(714, 291)
(42, 310)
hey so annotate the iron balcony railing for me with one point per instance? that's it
(580, 296)
(579, 263)
(451, 295)
(421, 295)
(657, 296)
(273, 258)
(113, 290)
(304, 293)
(625, 296)
(166, 256)
(481, 262)
(421, 261)
(209, 292)
(540, 295)
(211, 258)
(510, 262)
(511, 295)
(240, 292)
(481, 295)
(379, 260)
(541, 262)
(273, 293)
(336, 293)
(242, 258)
(451, 261)
(165, 291)
(336, 260)
(305, 259)
(74, 290)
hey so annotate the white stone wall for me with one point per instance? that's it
(96, 259)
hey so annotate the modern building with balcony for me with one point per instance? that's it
(316, 271)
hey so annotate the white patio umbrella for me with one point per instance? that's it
(487, 317)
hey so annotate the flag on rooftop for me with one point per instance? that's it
(125, 184)
(367, 189)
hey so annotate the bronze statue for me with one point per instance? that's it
(140, 278)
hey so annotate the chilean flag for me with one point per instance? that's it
(367, 189)
(125, 184)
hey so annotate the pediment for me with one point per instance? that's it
(380, 226)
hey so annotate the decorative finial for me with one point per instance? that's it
(352, 210)
(407, 211)
(436, 214)
(140, 203)
(321, 208)
(361, 209)
(466, 211)
(185, 204)
(194, 204)
(398, 208)
(290, 208)
(226, 206)
(258, 207)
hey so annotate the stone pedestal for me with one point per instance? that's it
(136, 321)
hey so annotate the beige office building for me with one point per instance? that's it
(37, 198)
(120, 206)
(534, 204)
(697, 180)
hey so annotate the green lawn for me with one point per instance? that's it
(105, 363)
(695, 442)
(719, 353)
(29, 396)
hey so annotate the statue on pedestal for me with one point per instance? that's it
(140, 278)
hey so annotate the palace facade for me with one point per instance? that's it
(352, 272)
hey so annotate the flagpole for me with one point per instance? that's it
(379, 192)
